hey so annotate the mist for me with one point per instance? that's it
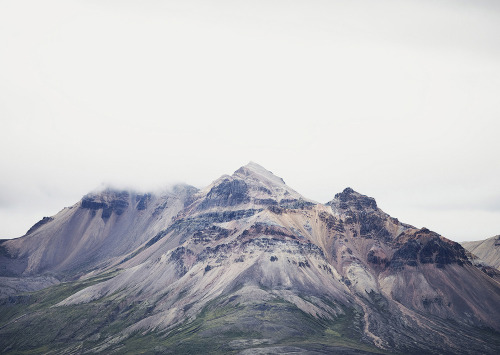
(396, 99)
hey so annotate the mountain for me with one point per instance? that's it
(86, 238)
(246, 265)
(488, 250)
(91, 234)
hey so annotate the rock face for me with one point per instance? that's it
(248, 265)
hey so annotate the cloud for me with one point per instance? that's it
(396, 99)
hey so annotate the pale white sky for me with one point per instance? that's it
(397, 99)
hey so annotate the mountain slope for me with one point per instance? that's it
(91, 234)
(249, 265)
(487, 250)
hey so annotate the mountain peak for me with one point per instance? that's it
(351, 198)
(250, 185)
(257, 171)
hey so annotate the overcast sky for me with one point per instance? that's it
(399, 100)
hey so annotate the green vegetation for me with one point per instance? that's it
(31, 302)
(29, 323)
(224, 326)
